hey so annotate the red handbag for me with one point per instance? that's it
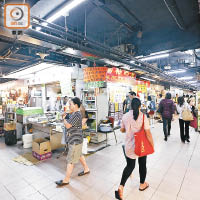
(142, 144)
(194, 123)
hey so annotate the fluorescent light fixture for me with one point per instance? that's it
(190, 52)
(138, 57)
(186, 78)
(72, 4)
(132, 62)
(167, 67)
(44, 23)
(38, 28)
(148, 79)
(155, 57)
(192, 82)
(177, 71)
(70, 51)
(125, 67)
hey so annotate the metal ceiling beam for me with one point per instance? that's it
(175, 12)
(114, 16)
(108, 55)
(99, 50)
(129, 12)
(3, 65)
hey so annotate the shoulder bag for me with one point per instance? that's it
(187, 114)
(142, 144)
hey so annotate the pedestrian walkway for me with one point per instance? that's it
(173, 173)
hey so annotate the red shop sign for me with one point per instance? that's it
(117, 75)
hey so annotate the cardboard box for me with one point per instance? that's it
(41, 146)
(9, 126)
(42, 157)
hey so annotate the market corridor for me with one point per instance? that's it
(173, 173)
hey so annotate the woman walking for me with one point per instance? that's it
(73, 123)
(167, 108)
(184, 125)
(132, 123)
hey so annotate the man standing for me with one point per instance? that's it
(127, 101)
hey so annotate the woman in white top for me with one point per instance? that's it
(184, 125)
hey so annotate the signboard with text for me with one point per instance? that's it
(94, 74)
(117, 75)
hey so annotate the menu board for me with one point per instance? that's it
(94, 74)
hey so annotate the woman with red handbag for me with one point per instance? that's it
(134, 122)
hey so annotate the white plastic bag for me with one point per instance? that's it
(85, 145)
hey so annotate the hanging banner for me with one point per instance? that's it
(94, 74)
(116, 75)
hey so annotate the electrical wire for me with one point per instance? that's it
(182, 28)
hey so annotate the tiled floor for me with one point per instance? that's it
(173, 173)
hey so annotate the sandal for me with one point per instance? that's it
(83, 173)
(119, 194)
(61, 183)
(147, 185)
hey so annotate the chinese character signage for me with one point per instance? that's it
(142, 86)
(97, 84)
(117, 75)
(93, 74)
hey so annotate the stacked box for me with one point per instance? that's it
(41, 149)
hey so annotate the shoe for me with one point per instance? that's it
(119, 194)
(61, 183)
(169, 134)
(187, 140)
(183, 141)
(147, 185)
(83, 173)
(165, 138)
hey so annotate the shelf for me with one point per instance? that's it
(90, 100)
(92, 130)
(92, 118)
(91, 110)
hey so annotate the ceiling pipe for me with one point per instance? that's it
(175, 12)
(61, 42)
(99, 50)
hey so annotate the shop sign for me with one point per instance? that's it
(117, 75)
(90, 56)
(141, 82)
(142, 88)
(95, 74)
(98, 84)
